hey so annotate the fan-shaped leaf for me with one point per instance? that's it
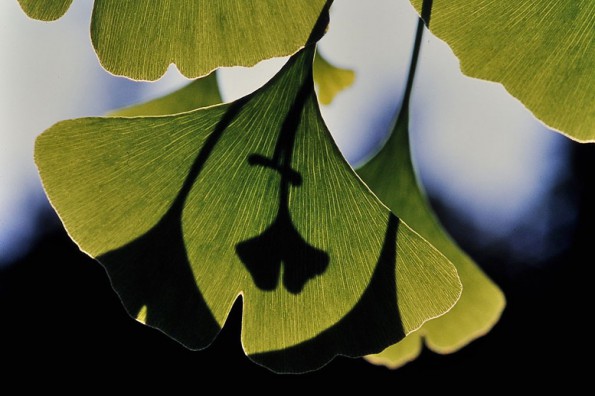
(542, 51)
(141, 38)
(189, 211)
(390, 174)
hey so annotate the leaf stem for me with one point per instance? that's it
(426, 12)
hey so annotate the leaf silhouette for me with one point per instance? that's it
(141, 38)
(543, 52)
(168, 204)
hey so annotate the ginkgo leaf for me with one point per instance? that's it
(543, 52)
(330, 80)
(48, 10)
(390, 174)
(188, 212)
(201, 92)
(141, 38)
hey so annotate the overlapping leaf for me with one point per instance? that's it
(204, 92)
(141, 38)
(390, 174)
(188, 212)
(542, 51)
(199, 93)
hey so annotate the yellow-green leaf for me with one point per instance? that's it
(390, 174)
(45, 10)
(399, 354)
(188, 212)
(542, 51)
(141, 38)
(330, 79)
(201, 92)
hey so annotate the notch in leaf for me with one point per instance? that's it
(115, 180)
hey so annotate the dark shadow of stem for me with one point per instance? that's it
(153, 272)
(280, 246)
(372, 324)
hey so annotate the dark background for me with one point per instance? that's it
(58, 314)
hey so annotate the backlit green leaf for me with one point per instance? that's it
(330, 79)
(188, 212)
(390, 174)
(141, 38)
(542, 51)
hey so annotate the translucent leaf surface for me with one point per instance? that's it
(391, 176)
(542, 51)
(188, 212)
(141, 38)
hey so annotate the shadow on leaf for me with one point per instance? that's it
(281, 244)
(153, 275)
(351, 336)
(153, 272)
